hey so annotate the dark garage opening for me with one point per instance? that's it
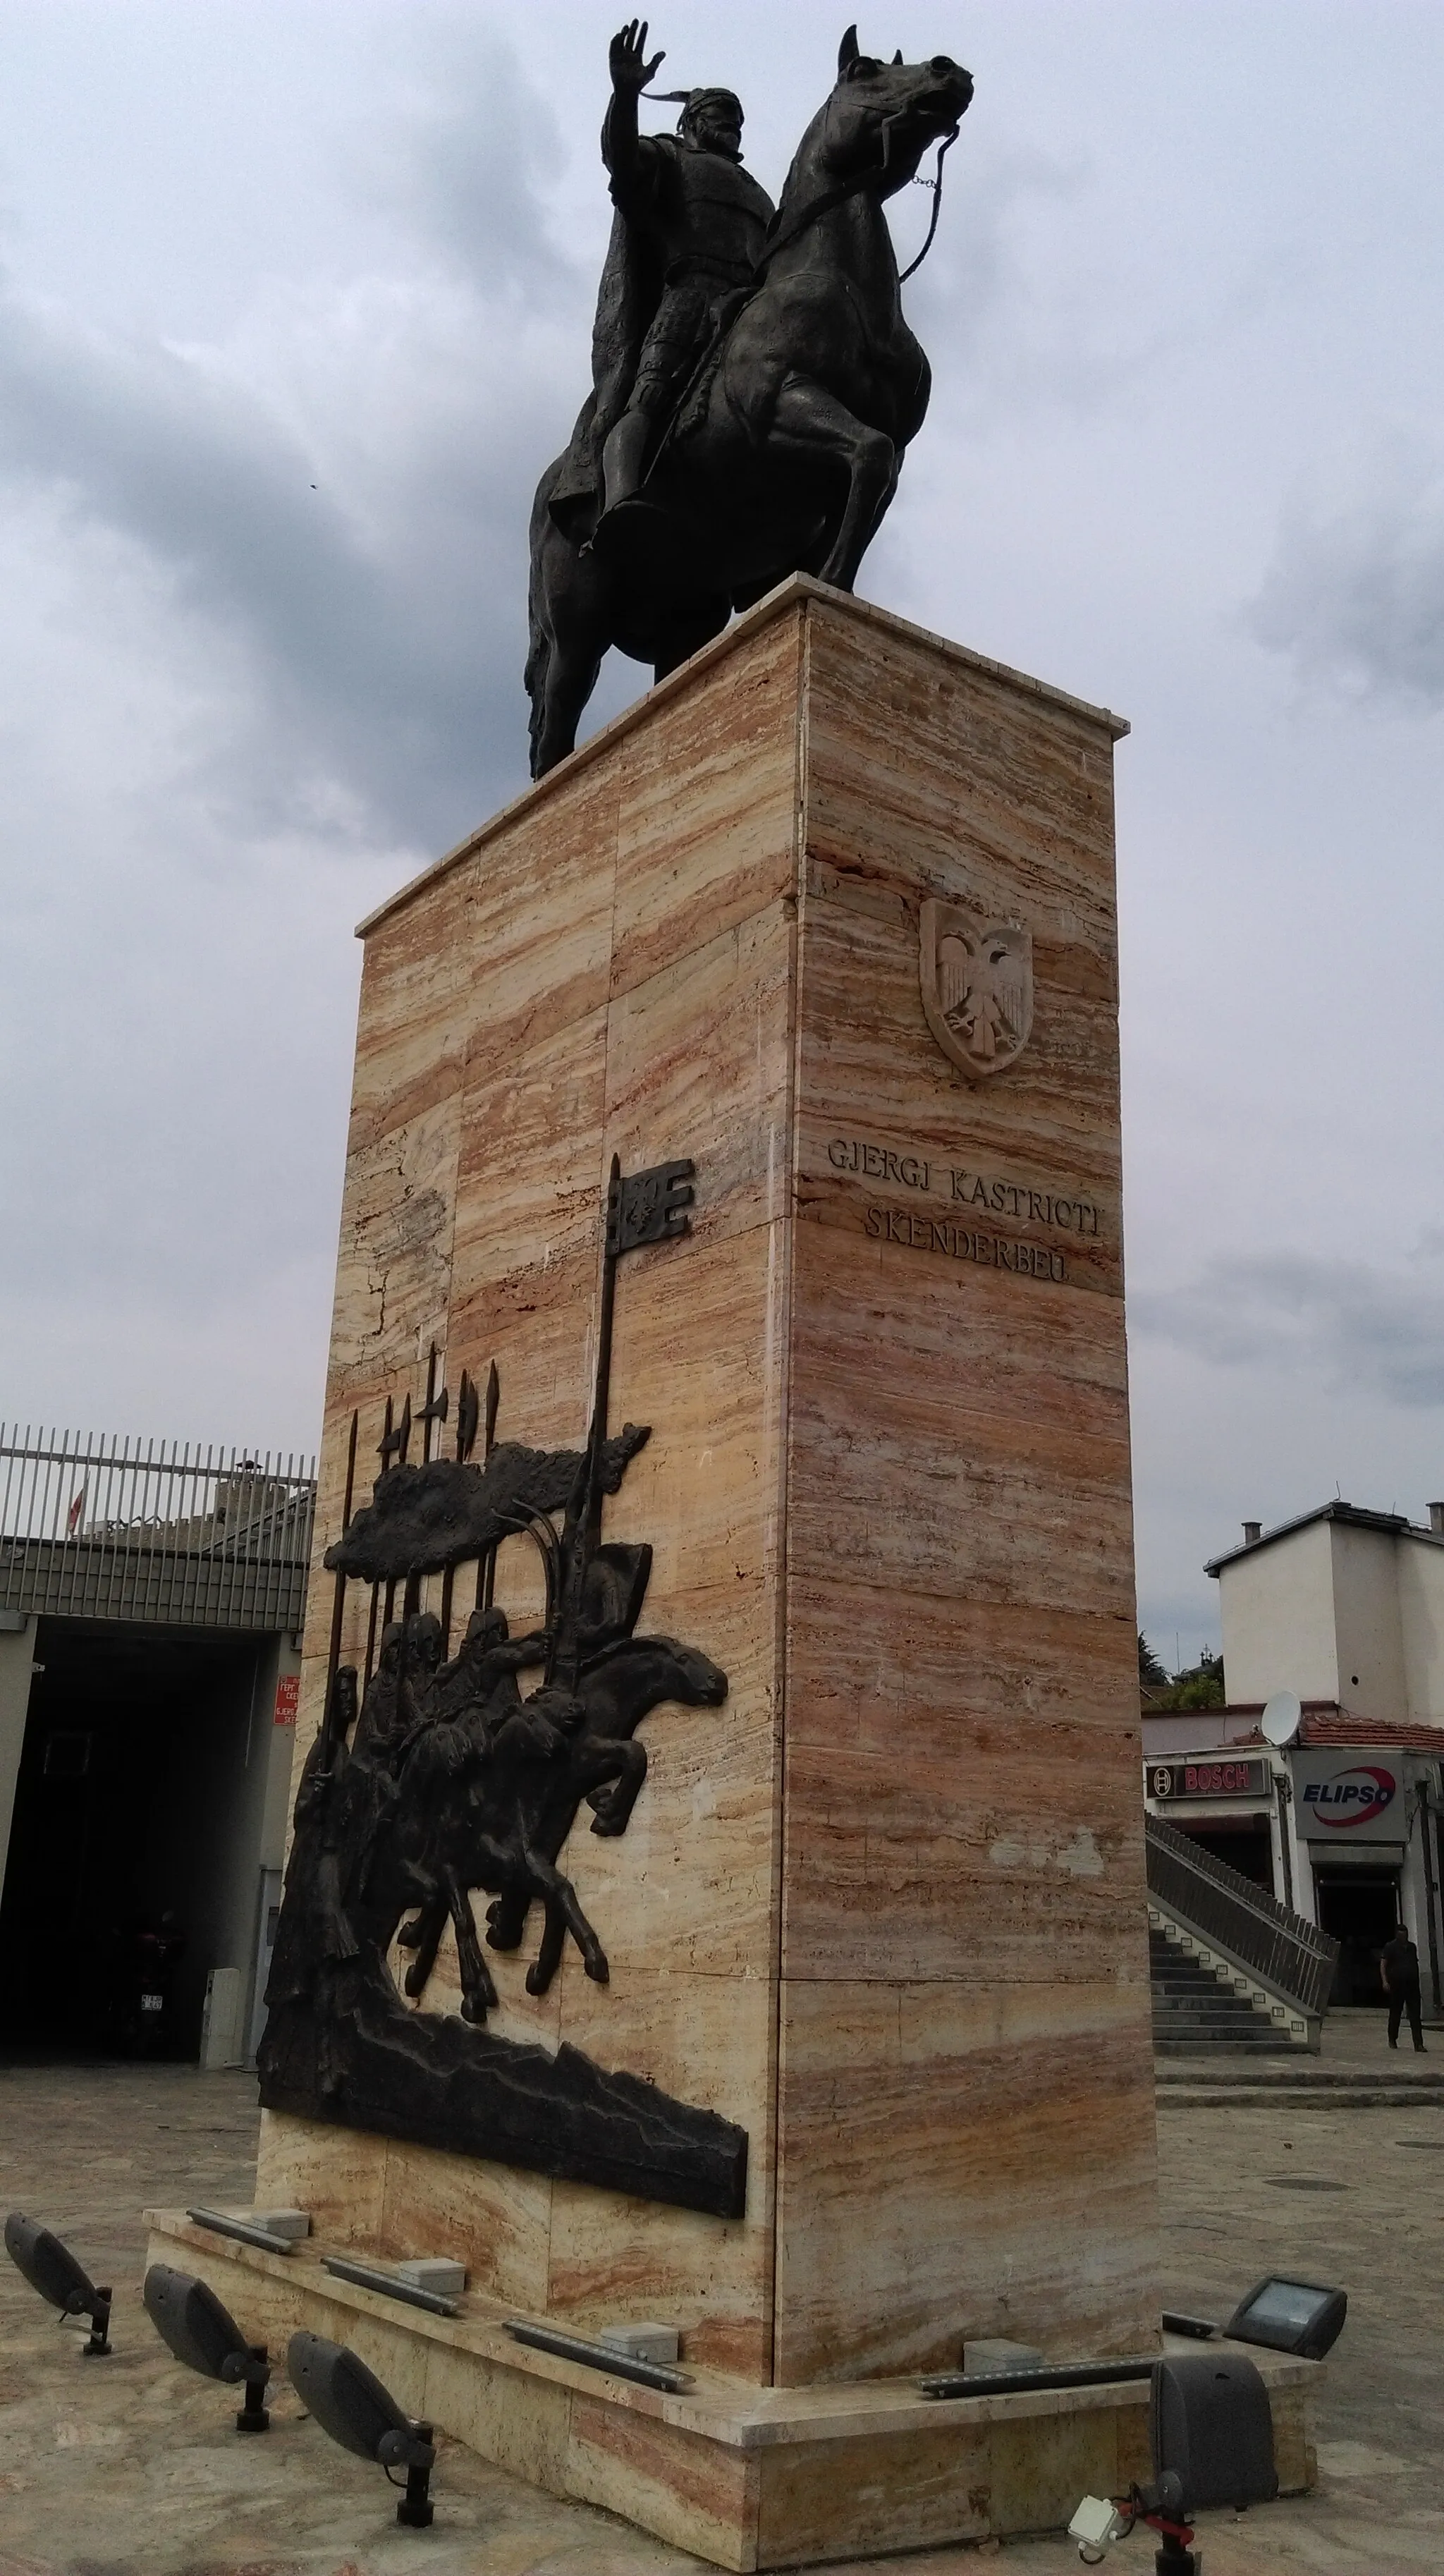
(139, 1797)
(1361, 1909)
(1243, 1842)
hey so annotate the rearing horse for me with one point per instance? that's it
(786, 448)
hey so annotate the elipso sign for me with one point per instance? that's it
(1360, 1798)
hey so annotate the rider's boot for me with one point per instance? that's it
(624, 463)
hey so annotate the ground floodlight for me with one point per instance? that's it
(349, 2402)
(205, 2336)
(51, 2268)
(1291, 2316)
(1211, 2430)
(1210, 2423)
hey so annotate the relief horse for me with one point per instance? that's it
(786, 448)
(471, 1800)
(621, 1687)
(495, 1814)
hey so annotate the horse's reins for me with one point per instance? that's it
(936, 185)
(832, 198)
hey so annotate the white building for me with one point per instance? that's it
(1345, 1609)
(1343, 1606)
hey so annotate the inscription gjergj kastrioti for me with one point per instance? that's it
(973, 1190)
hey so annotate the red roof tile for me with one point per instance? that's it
(1324, 1723)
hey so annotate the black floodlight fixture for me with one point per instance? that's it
(349, 2402)
(1290, 2316)
(1210, 2422)
(52, 2269)
(205, 2336)
(1211, 2431)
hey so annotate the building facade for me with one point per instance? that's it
(151, 1602)
(1343, 1608)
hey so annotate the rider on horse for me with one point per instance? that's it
(690, 227)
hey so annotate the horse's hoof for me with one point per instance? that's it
(605, 1823)
(502, 1937)
(415, 1985)
(597, 1969)
(409, 1936)
(472, 2011)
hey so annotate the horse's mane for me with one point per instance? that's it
(789, 184)
(619, 1646)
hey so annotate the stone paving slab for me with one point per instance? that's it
(129, 2467)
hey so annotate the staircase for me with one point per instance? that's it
(1197, 2008)
(1231, 1968)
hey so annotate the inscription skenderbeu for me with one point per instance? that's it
(965, 1243)
(959, 1236)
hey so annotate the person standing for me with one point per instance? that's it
(1399, 1969)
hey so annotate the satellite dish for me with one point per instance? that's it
(1280, 1720)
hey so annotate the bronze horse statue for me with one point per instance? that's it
(784, 451)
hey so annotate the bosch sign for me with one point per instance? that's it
(1347, 1799)
(1208, 1779)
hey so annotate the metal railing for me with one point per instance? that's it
(1283, 1949)
(105, 1528)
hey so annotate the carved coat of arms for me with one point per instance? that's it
(977, 986)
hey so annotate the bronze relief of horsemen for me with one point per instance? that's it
(448, 1781)
(439, 1778)
(755, 386)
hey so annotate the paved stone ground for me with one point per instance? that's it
(128, 2467)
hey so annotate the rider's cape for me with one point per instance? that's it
(627, 301)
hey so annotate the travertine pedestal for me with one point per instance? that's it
(885, 1907)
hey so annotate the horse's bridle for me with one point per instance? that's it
(936, 185)
(832, 198)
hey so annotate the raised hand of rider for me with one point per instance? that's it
(626, 58)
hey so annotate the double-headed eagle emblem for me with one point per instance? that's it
(977, 986)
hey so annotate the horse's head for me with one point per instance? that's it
(881, 117)
(698, 1683)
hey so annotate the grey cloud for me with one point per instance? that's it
(1362, 1328)
(358, 531)
(460, 158)
(1007, 304)
(1354, 594)
(378, 659)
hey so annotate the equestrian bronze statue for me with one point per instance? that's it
(754, 384)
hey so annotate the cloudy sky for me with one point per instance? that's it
(294, 303)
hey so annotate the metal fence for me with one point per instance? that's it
(156, 1530)
(1284, 1950)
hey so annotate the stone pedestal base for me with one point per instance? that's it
(827, 922)
(746, 2477)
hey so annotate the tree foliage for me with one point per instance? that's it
(1151, 1673)
(1201, 1686)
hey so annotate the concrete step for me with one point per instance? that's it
(1197, 2049)
(1214, 2016)
(1189, 2095)
(1287, 2072)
